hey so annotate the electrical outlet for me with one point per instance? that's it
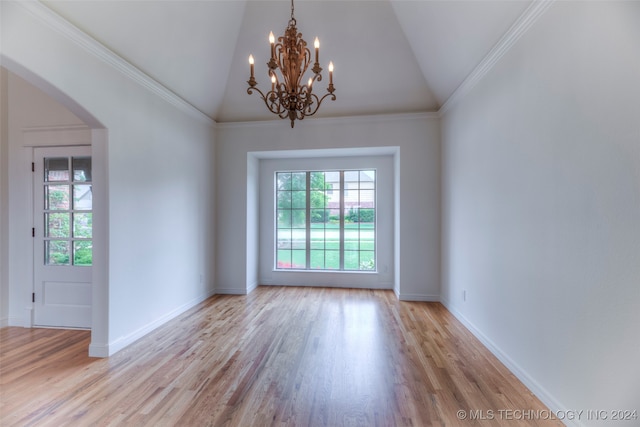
(464, 295)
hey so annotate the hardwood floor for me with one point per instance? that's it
(279, 356)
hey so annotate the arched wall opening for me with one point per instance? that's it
(99, 148)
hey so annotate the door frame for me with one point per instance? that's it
(98, 139)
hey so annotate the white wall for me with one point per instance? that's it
(417, 270)
(159, 163)
(541, 207)
(4, 199)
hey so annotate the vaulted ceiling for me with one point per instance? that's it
(393, 56)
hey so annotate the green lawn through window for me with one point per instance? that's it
(359, 247)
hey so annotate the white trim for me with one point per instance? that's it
(103, 53)
(17, 321)
(106, 350)
(537, 389)
(252, 287)
(417, 297)
(231, 291)
(47, 136)
(374, 118)
(325, 152)
(100, 278)
(381, 286)
(27, 320)
(519, 28)
(98, 350)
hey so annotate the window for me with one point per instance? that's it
(68, 217)
(326, 220)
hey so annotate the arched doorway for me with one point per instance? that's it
(98, 140)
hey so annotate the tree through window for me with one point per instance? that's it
(326, 220)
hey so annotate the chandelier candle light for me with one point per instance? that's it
(287, 97)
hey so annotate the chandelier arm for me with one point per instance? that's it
(250, 90)
(317, 103)
(274, 100)
(272, 105)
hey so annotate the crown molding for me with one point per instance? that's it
(103, 53)
(365, 119)
(536, 9)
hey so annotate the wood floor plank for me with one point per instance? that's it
(281, 356)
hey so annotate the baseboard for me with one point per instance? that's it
(540, 392)
(99, 350)
(231, 291)
(417, 297)
(252, 287)
(18, 321)
(4, 322)
(377, 286)
(106, 350)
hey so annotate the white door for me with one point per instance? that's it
(63, 245)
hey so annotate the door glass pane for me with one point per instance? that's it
(56, 197)
(82, 197)
(82, 252)
(56, 225)
(81, 169)
(56, 169)
(68, 220)
(56, 252)
(82, 225)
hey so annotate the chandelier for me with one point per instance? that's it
(288, 98)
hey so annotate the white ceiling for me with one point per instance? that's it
(390, 56)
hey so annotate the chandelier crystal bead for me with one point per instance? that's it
(288, 98)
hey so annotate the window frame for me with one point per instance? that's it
(342, 208)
